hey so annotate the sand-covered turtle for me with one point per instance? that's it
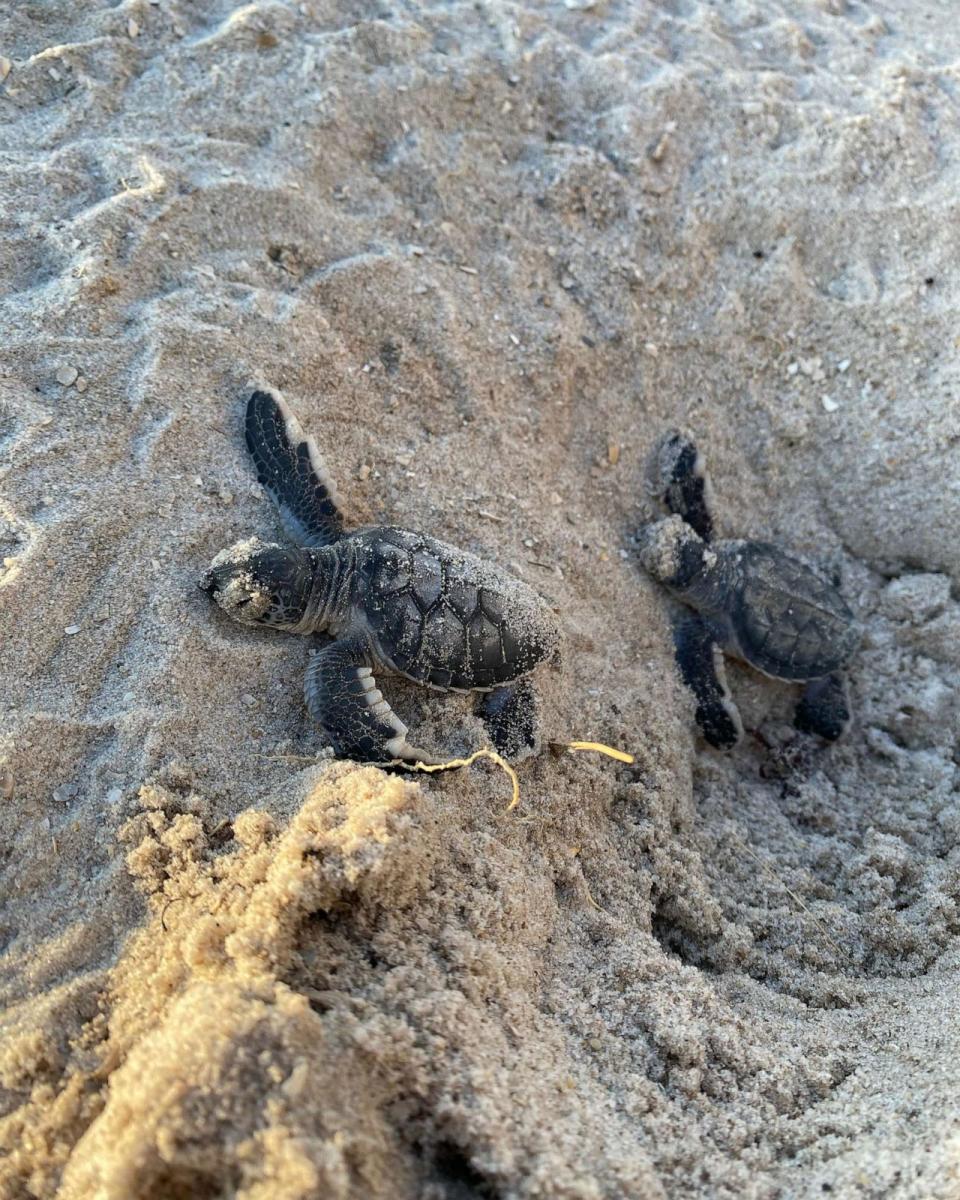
(393, 602)
(752, 599)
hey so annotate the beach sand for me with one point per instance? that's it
(490, 252)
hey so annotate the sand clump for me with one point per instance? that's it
(207, 997)
(489, 252)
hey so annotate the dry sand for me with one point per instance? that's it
(489, 251)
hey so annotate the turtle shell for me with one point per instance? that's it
(788, 622)
(442, 616)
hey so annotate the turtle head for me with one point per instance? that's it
(258, 583)
(672, 552)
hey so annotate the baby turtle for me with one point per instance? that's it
(752, 600)
(394, 602)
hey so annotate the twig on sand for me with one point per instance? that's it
(797, 899)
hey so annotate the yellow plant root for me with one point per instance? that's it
(453, 763)
(600, 748)
(466, 762)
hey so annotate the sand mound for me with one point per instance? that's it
(489, 252)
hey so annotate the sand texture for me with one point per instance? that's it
(489, 251)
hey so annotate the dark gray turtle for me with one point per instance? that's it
(752, 600)
(393, 602)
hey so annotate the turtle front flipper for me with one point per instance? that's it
(700, 661)
(824, 708)
(510, 714)
(678, 478)
(289, 466)
(343, 697)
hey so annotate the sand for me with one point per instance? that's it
(490, 252)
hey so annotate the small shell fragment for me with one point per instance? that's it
(660, 149)
(67, 376)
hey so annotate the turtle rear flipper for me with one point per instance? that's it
(289, 466)
(343, 697)
(510, 714)
(824, 708)
(700, 661)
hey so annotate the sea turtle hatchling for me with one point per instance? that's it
(752, 599)
(394, 602)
